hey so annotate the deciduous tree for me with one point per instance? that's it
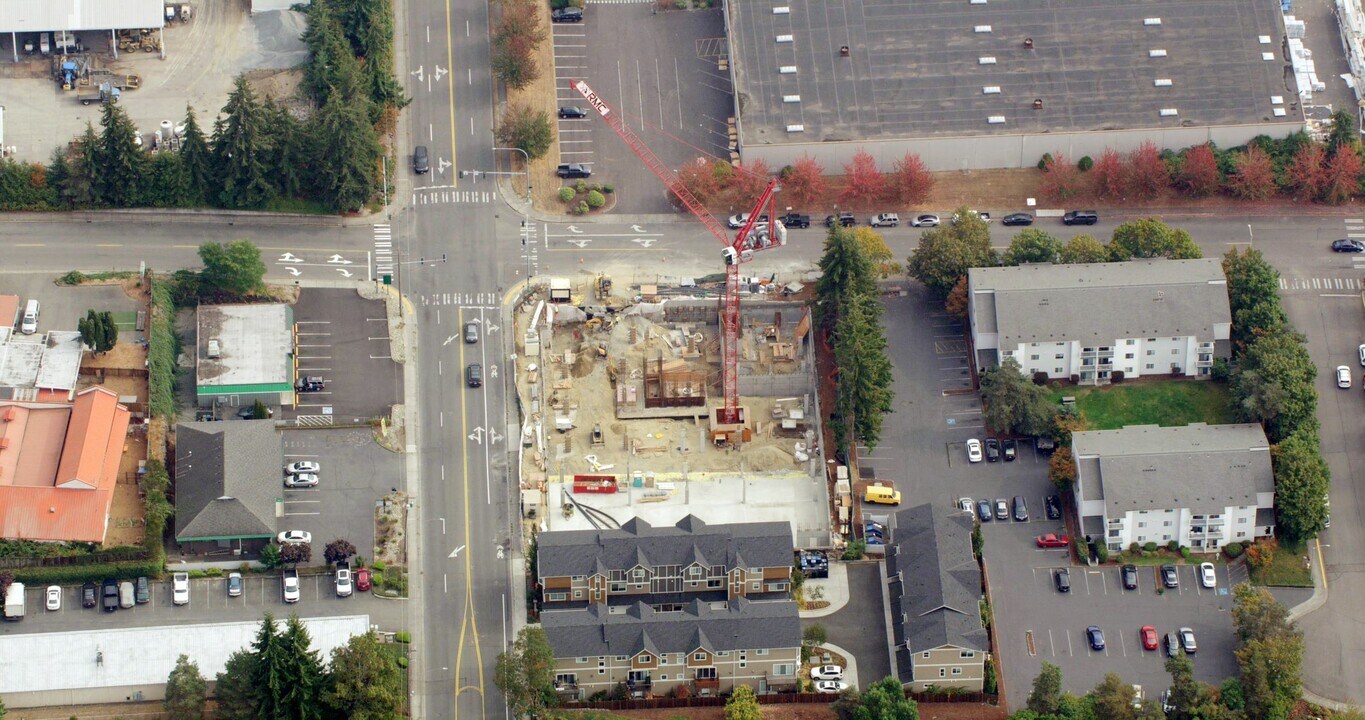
(1273, 384)
(1033, 246)
(1342, 178)
(1150, 238)
(803, 182)
(1012, 402)
(186, 691)
(698, 177)
(525, 674)
(1061, 178)
(957, 303)
(946, 253)
(1113, 698)
(748, 181)
(234, 267)
(743, 705)
(364, 682)
(1302, 479)
(874, 246)
(338, 550)
(864, 184)
(1107, 176)
(1145, 174)
(911, 181)
(882, 700)
(1254, 175)
(1199, 175)
(1307, 173)
(1253, 296)
(296, 553)
(1269, 653)
(1084, 249)
(1061, 469)
(1046, 696)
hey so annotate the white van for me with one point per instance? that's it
(29, 325)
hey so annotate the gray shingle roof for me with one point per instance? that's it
(1203, 468)
(740, 625)
(227, 476)
(587, 552)
(1101, 301)
(934, 597)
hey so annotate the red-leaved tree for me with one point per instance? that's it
(803, 182)
(1146, 177)
(1254, 176)
(864, 184)
(1107, 175)
(1199, 175)
(748, 182)
(698, 177)
(1307, 173)
(1061, 178)
(912, 182)
(1343, 175)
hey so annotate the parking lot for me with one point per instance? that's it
(660, 72)
(344, 339)
(63, 306)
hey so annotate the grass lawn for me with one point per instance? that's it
(1168, 402)
(1288, 569)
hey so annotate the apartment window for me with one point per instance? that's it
(1150, 366)
(638, 574)
(1241, 534)
(784, 670)
(663, 659)
(763, 651)
(713, 583)
(706, 673)
(1056, 371)
(925, 655)
(621, 658)
(957, 671)
(1175, 351)
(1166, 523)
(665, 677)
(1130, 342)
(1151, 352)
(581, 660)
(1151, 339)
(1090, 349)
(646, 657)
(1059, 356)
(699, 657)
(723, 653)
(577, 594)
(557, 597)
(972, 653)
(579, 578)
(1128, 356)
(1165, 537)
(694, 571)
(1175, 339)
(1215, 517)
(1142, 538)
(1033, 344)
(1241, 521)
(1142, 524)
(1113, 532)
(566, 679)
(942, 672)
(1033, 357)
(618, 587)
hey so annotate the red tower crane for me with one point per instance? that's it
(752, 237)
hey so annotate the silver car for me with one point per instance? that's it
(302, 480)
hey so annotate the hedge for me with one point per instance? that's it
(75, 575)
(161, 351)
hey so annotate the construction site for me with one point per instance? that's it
(622, 395)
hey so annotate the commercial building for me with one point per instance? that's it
(688, 560)
(1088, 321)
(934, 588)
(59, 463)
(969, 85)
(1202, 486)
(228, 481)
(18, 17)
(244, 353)
(707, 648)
(44, 367)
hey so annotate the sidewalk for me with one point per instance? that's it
(834, 588)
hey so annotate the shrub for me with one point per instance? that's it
(1173, 545)
(402, 636)
(1185, 552)
(855, 550)
(1233, 550)
(75, 277)
(566, 194)
(378, 565)
(1040, 378)
(583, 207)
(402, 661)
(77, 574)
(1102, 552)
(1075, 379)
(608, 189)
(595, 199)
(580, 186)
(1116, 376)
(1043, 161)
(1149, 547)
(1085, 164)
(1134, 548)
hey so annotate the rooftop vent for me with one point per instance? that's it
(1279, 112)
(1169, 112)
(787, 70)
(1151, 21)
(1028, 43)
(1264, 39)
(215, 349)
(796, 128)
(1156, 53)
(996, 119)
(1162, 82)
(1276, 99)
(978, 2)
(782, 10)
(1037, 103)
(791, 98)
(1267, 56)
(982, 28)
(987, 60)
(784, 38)
(990, 90)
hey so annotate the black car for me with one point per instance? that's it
(1095, 636)
(1053, 505)
(420, 163)
(573, 170)
(1348, 245)
(568, 14)
(992, 450)
(90, 594)
(1017, 219)
(473, 375)
(1169, 577)
(1020, 509)
(795, 220)
(1010, 448)
(570, 112)
(1081, 217)
(845, 219)
(1129, 575)
(110, 595)
(311, 383)
(983, 510)
(1062, 578)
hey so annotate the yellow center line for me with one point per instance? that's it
(1322, 564)
(468, 621)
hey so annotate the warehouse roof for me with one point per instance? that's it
(77, 15)
(245, 348)
(917, 70)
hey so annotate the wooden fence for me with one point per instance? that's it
(109, 556)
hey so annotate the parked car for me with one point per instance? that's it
(1053, 505)
(180, 588)
(53, 597)
(1169, 577)
(827, 672)
(234, 584)
(1010, 449)
(1002, 509)
(568, 14)
(795, 220)
(1095, 636)
(572, 112)
(344, 586)
(845, 219)
(302, 480)
(109, 595)
(125, 595)
(1167, 706)
(1081, 217)
(1045, 444)
(362, 579)
(1343, 377)
(974, 450)
(291, 586)
(294, 537)
(1017, 219)
(1187, 642)
(738, 220)
(984, 217)
(142, 591)
(830, 687)
(1062, 579)
(1348, 246)
(1053, 540)
(885, 220)
(573, 170)
(966, 505)
(311, 383)
(983, 510)
(1128, 573)
(925, 221)
(1208, 577)
(1148, 634)
(1172, 644)
(90, 594)
(303, 466)
(992, 450)
(1020, 509)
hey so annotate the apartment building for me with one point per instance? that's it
(1143, 317)
(1201, 485)
(688, 560)
(707, 648)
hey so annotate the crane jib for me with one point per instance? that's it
(593, 100)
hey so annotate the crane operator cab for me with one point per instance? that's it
(734, 258)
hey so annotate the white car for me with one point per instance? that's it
(827, 672)
(925, 221)
(1207, 576)
(1362, 355)
(295, 537)
(180, 588)
(830, 687)
(303, 466)
(291, 587)
(1343, 376)
(966, 505)
(974, 450)
(343, 582)
(54, 597)
(302, 480)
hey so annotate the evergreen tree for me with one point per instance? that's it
(82, 189)
(384, 89)
(89, 330)
(234, 692)
(59, 175)
(195, 157)
(108, 331)
(267, 671)
(332, 63)
(122, 163)
(289, 160)
(844, 269)
(1047, 690)
(864, 389)
(169, 183)
(346, 171)
(301, 669)
(241, 148)
(186, 691)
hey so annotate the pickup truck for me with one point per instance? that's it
(795, 220)
(105, 92)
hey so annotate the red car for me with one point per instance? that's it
(1148, 637)
(362, 579)
(1053, 540)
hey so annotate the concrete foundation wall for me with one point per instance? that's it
(1009, 151)
(84, 696)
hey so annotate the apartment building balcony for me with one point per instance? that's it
(706, 683)
(640, 685)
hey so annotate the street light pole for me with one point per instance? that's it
(526, 212)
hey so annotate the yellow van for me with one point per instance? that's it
(882, 495)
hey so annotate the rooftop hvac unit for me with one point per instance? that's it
(215, 349)
(1169, 112)
(990, 90)
(782, 10)
(1151, 21)
(1264, 39)
(787, 70)
(796, 128)
(1162, 82)
(1276, 99)
(1156, 53)
(978, 2)
(784, 38)
(1267, 56)
(791, 98)
(1278, 112)
(982, 28)
(996, 119)
(988, 60)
